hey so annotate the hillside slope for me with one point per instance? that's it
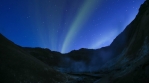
(132, 65)
(17, 66)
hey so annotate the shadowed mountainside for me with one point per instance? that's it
(17, 66)
(132, 65)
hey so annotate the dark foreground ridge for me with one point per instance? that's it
(126, 60)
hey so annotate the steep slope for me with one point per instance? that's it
(17, 66)
(132, 65)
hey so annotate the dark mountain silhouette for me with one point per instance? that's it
(18, 66)
(132, 64)
(126, 60)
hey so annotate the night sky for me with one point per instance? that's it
(65, 25)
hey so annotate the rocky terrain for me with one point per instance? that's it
(126, 60)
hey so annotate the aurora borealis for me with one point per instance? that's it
(65, 25)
